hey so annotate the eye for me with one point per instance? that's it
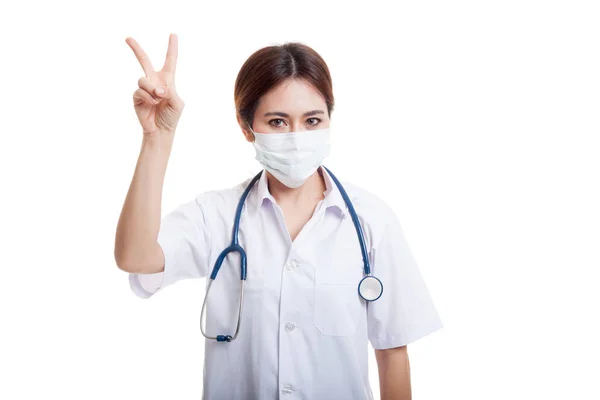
(276, 119)
(316, 119)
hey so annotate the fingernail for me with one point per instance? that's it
(160, 90)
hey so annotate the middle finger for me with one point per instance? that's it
(141, 56)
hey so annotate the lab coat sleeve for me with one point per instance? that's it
(405, 311)
(184, 238)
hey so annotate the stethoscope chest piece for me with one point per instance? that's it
(370, 288)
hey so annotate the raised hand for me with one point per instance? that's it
(156, 102)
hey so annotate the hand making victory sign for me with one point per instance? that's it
(156, 102)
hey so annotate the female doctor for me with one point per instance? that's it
(284, 317)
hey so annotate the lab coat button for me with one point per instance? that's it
(287, 389)
(290, 327)
(290, 265)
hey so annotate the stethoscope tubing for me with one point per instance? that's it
(357, 225)
(235, 247)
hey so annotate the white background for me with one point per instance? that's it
(477, 121)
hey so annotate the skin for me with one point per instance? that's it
(393, 366)
(156, 102)
(158, 108)
(296, 98)
(136, 246)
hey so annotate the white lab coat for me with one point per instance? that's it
(304, 328)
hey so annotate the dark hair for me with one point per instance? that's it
(268, 67)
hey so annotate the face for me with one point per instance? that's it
(290, 107)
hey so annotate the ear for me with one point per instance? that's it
(247, 133)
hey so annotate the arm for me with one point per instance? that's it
(404, 313)
(158, 108)
(136, 246)
(394, 373)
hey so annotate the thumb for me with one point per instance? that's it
(167, 93)
(163, 92)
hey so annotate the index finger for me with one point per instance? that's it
(172, 50)
(141, 56)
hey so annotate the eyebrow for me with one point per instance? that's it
(282, 114)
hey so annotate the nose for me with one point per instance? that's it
(297, 126)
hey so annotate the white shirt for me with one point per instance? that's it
(304, 328)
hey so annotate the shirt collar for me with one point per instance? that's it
(332, 195)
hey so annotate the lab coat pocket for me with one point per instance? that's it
(337, 308)
(337, 304)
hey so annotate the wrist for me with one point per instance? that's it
(157, 143)
(159, 134)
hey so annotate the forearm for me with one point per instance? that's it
(394, 373)
(136, 248)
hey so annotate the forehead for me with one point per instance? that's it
(293, 96)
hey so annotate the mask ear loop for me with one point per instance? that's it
(249, 127)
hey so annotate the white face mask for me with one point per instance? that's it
(292, 157)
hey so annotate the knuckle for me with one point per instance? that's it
(143, 82)
(142, 95)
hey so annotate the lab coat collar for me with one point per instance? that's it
(333, 197)
(262, 191)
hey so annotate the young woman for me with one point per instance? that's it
(304, 326)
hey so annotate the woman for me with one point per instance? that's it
(304, 329)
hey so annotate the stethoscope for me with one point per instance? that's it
(370, 288)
